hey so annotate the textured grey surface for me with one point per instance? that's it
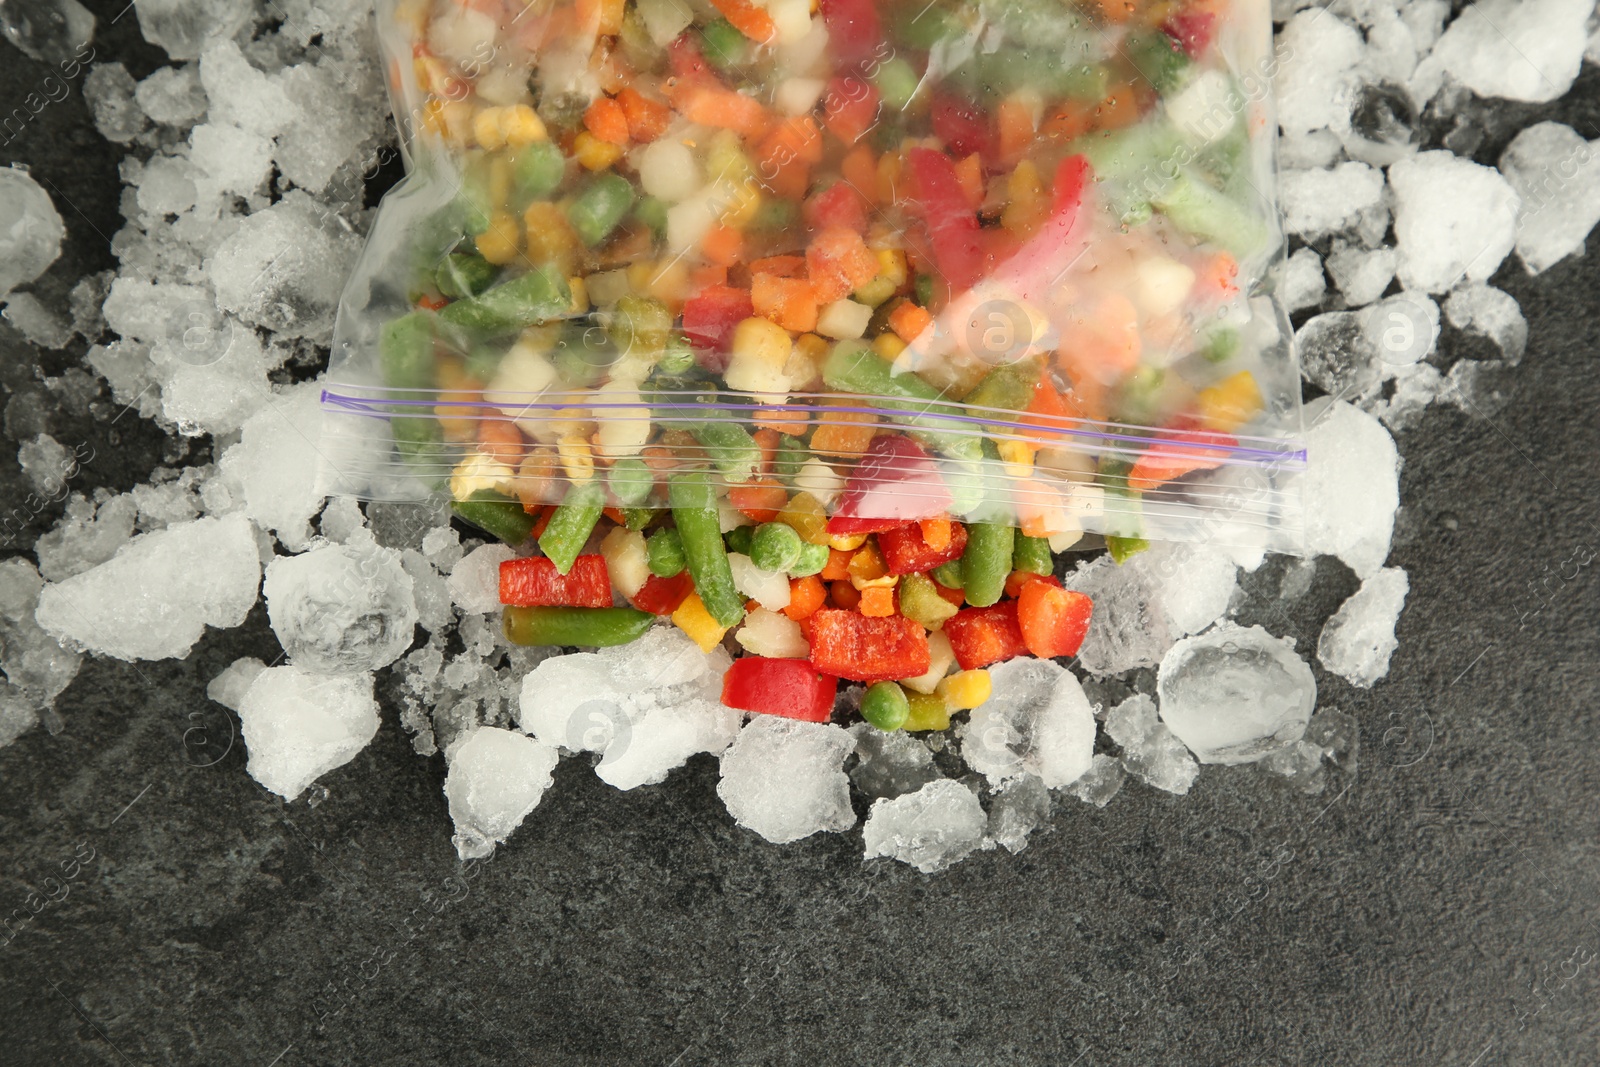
(1439, 907)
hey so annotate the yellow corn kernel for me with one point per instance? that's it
(761, 341)
(866, 566)
(580, 294)
(550, 237)
(928, 712)
(744, 201)
(501, 241)
(479, 471)
(577, 456)
(1230, 403)
(847, 542)
(593, 153)
(804, 513)
(889, 346)
(965, 690)
(486, 128)
(521, 126)
(1027, 203)
(1017, 456)
(669, 282)
(813, 347)
(892, 266)
(693, 619)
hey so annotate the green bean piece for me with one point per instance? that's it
(462, 274)
(774, 546)
(599, 208)
(630, 481)
(885, 706)
(1032, 554)
(853, 367)
(693, 496)
(652, 214)
(523, 301)
(664, 553)
(572, 523)
(1121, 548)
(588, 627)
(637, 518)
(496, 515)
(791, 456)
(987, 561)
(729, 447)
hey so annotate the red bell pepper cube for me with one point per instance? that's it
(1192, 31)
(854, 33)
(905, 552)
(1053, 620)
(952, 225)
(533, 582)
(850, 108)
(850, 645)
(963, 126)
(686, 60)
(1183, 448)
(981, 636)
(896, 482)
(662, 596)
(838, 205)
(709, 318)
(792, 688)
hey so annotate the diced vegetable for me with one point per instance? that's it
(986, 561)
(850, 645)
(791, 688)
(597, 210)
(665, 548)
(694, 509)
(569, 528)
(885, 706)
(895, 481)
(906, 549)
(534, 582)
(984, 635)
(585, 627)
(1053, 620)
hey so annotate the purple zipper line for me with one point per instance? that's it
(371, 407)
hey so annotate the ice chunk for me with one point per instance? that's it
(1415, 387)
(342, 112)
(275, 464)
(496, 778)
(940, 824)
(1526, 50)
(1485, 310)
(1100, 782)
(241, 95)
(1317, 202)
(86, 536)
(1128, 628)
(475, 581)
(1554, 172)
(284, 268)
(35, 664)
(109, 91)
(1317, 150)
(662, 737)
(1362, 274)
(1316, 77)
(341, 518)
(229, 160)
(1358, 640)
(172, 96)
(48, 464)
(1452, 217)
(1383, 118)
(1018, 808)
(785, 779)
(168, 187)
(573, 701)
(298, 725)
(1192, 582)
(229, 687)
(1402, 329)
(341, 608)
(28, 315)
(50, 31)
(31, 230)
(156, 596)
(1233, 695)
(1037, 721)
(1300, 280)
(183, 26)
(1351, 485)
(1150, 752)
(1336, 356)
(889, 764)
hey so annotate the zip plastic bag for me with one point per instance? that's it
(882, 262)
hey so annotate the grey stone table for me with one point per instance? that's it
(1438, 907)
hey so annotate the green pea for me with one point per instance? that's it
(630, 481)
(677, 358)
(897, 83)
(664, 553)
(725, 45)
(811, 560)
(774, 546)
(885, 706)
(738, 539)
(948, 574)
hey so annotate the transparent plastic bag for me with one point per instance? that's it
(1004, 261)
